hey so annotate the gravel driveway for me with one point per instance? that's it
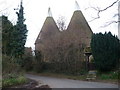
(68, 83)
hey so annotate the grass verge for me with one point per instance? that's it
(113, 77)
(109, 75)
(13, 81)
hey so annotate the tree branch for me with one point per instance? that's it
(101, 10)
(109, 23)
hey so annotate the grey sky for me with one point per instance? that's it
(36, 12)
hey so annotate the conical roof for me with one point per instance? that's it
(79, 27)
(48, 30)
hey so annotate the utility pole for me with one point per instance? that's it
(119, 20)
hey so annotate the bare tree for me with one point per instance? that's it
(103, 10)
(61, 22)
(64, 53)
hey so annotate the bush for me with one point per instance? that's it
(38, 63)
(9, 67)
(27, 59)
(105, 50)
(11, 72)
(27, 63)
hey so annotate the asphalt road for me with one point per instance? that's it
(68, 83)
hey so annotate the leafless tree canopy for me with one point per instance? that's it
(61, 22)
(103, 10)
(65, 53)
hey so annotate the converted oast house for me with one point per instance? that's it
(78, 28)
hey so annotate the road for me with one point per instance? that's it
(68, 83)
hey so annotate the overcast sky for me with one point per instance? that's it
(36, 12)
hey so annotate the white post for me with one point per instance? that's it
(0, 51)
(119, 20)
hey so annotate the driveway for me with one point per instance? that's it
(68, 83)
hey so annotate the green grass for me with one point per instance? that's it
(13, 81)
(109, 76)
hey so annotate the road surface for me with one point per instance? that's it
(69, 83)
